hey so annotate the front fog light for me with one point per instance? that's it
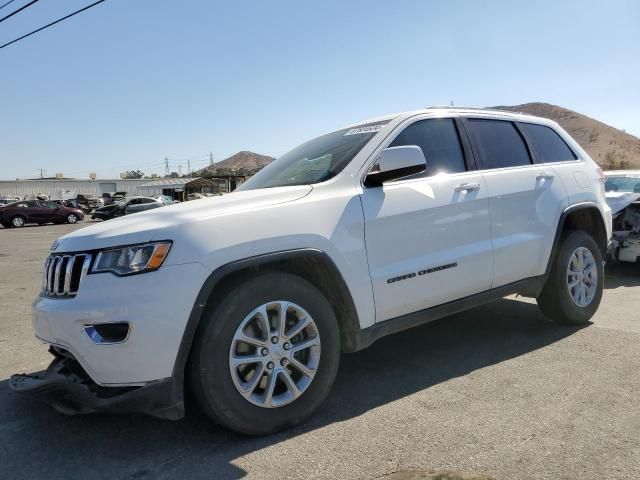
(132, 259)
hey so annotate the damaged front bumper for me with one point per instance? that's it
(67, 387)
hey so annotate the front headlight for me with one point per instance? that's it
(132, 259)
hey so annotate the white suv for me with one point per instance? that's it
(251, 297)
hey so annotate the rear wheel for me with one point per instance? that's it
(266, 356)
(574, 288)
(17, 221)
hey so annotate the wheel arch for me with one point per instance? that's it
(312, 264)
(584, 216)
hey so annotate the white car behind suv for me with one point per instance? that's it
(359, 233)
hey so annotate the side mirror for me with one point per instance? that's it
(396, 162)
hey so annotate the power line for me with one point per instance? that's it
(52, 23)
(10, 1)
(18, 10)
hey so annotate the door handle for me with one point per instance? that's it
(545, 176)
(468, 187)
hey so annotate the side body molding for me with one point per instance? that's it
(342, 303)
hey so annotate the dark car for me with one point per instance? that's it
(126, 207)
(113, 197)
(88, 202)
(18, 214)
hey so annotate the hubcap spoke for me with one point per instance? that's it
(298, 327)
(305, 344)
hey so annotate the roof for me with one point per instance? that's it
(162, 182)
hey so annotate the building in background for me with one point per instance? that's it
(61, 188)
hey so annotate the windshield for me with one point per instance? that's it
(622, 184)
(315, 161)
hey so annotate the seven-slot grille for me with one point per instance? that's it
(63, 273)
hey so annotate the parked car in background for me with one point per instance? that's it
(72, 203)
(126, 207)
(88, 201)
(166, 199)
(6, 200)
(112, 197)
(18, 214)
(623, 196)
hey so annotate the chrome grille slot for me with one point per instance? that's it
(63, 273)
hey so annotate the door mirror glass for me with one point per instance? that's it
(396, 162)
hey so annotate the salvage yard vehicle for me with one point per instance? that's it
(357, 234)
(112, 197)
(18, 214)
(88, 202)
(623, 196)
(126, 207)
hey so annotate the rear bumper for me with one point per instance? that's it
(67, 387)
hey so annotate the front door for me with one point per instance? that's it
(428, 236)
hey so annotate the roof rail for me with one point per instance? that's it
(484, 109)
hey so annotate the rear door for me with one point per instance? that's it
(525, 199)
(428, 236)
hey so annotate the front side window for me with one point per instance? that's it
(49, 205)
(548, 145)
(439, 141)
(499, 143)
(315, 161)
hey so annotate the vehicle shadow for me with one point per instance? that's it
(36, 441)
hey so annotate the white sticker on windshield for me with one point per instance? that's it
(365, 129)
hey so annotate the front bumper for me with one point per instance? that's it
(156, 305)
(67, 387)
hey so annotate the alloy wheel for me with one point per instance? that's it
(17, 222)
(582, 277)
(274, 354)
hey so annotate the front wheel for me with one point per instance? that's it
(17, 221)
(72, 218)
(575, 284)
(266, 356)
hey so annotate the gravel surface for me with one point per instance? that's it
(495, 392)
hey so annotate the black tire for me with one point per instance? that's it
(72, 219)
(555, 300)
(18, 221)
(209, 373)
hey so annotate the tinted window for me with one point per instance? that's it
(146, 200)
(48, 205)
(499, 142)
(440, 144)
(548, 145)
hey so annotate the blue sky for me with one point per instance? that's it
(129, 82)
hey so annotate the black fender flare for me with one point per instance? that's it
(561, 224)
(350, 315)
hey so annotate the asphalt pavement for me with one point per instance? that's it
(496, 391)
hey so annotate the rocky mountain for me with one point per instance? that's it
(242, 163)
(609, 147)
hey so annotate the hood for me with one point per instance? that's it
(618, 201)
(160, 223)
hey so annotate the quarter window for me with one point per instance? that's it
(547, 143)
(438, 139)
(499, 143)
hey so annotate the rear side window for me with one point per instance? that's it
(499, 143)
(438, 139)
(548, 145)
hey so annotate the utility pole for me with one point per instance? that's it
(189, 167)
(180, 170)
(210, 158)
(166, 167)
(42, 170)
